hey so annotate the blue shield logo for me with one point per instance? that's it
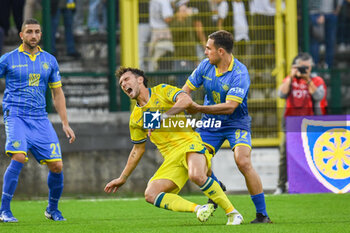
(151, 120)
(327, 150)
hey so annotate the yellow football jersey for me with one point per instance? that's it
(174, 131)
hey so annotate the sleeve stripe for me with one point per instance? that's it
(140, 141)
(190, 85)
(234, 98)
(176, 94)
(55, 84)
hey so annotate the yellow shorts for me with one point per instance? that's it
(175, 167)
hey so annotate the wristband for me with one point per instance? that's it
(308, 82)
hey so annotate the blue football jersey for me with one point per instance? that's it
(27, 77)
(219, 87)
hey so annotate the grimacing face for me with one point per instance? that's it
(31, 35)
(130, 84)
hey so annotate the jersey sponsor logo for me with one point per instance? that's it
(34, 79)
(206, 77)
(327, 151)
(170, 91)
(238, 90)
(151, 120)
(45, 65)
(19, 66)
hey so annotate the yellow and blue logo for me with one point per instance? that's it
(45, 65)
(327, 150)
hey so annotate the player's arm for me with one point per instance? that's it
(135, 155)
(59, 102)
(187, 89)
(217, 109)
(182, 102)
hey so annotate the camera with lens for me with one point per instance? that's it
(302, 70)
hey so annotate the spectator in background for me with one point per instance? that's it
(344, 27)
(160, 15)
(30, 7)
(324, 12)
(263, 32)
(14, 6)
(306, 95)
(184, 40)
(221, 9)
(97, 20)
(66, 8)
(203, 24)
(144, 33)
(79, 17)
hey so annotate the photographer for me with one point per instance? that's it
(305, 95)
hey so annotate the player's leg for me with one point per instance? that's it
(197, 171)
(46, 150)
(55, 184)
(242, 156)
(162, 194)
(10, 181)
(16, 147)
(213, 142)
(163, 188)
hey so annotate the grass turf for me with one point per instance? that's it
(290, 213)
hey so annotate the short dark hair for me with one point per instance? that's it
(302, 57)
(29, 21)
(122, 70)
(222, 39)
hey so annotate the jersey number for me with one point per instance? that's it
(53, 146)
(34, 79)
(241, 134)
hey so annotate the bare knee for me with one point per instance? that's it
(150, 196)
(197, 177)
(55, 167)
(19, 157)
(244, 165)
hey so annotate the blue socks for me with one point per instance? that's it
(10, 183)
(55, 183)
(259, 202)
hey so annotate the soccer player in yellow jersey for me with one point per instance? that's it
(184, 153)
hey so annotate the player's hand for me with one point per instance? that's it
(69, 133)
(114, 185)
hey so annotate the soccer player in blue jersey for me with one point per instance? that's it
(28, 71)
(226, 83)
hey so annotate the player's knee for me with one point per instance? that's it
(55, 167)
(150, 196)
(244, 165)
(19, 158)
(197, 177)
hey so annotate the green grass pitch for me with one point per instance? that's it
(290, 213)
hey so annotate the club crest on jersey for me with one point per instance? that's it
(16, 144)
(327, 150)
(45, 65)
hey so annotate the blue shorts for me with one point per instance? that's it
(236, 137)
(36, 135)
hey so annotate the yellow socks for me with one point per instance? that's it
(212, 189)
(174, 202)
